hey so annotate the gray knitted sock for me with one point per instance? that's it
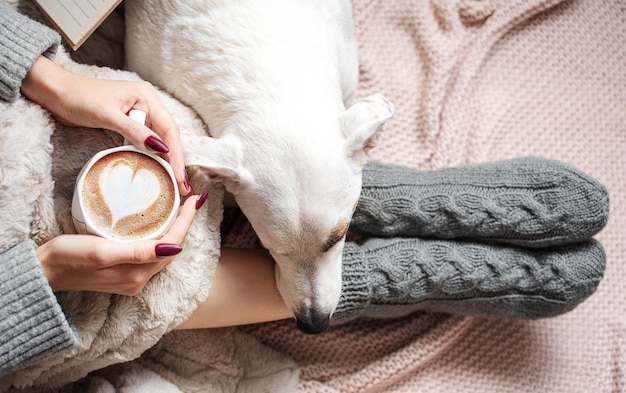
(529, 202)
(386, 278)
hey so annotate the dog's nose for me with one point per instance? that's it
(312, 321)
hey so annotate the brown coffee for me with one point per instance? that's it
(128, 195)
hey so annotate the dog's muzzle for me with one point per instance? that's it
(311, 321)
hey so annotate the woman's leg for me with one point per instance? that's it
(387, 278)
(529, 202)
(243, 292)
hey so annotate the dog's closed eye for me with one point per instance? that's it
(336, 234)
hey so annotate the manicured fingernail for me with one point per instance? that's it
(167, 249)
(188, 185)
(201, 199)
(156, 144)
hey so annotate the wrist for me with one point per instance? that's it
(43, 255)
(44, 82)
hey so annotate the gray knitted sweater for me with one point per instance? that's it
(32, 324)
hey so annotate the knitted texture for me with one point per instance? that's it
(386, 278)
(23, 41)
(33, 326)
(529, 202)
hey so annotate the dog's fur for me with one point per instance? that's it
(272, 80)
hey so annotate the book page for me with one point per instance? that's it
(77, 19)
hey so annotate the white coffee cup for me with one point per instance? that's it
(125, 194)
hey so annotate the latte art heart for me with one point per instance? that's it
(128, 195)
(126, 191)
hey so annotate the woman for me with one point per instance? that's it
(506, 239)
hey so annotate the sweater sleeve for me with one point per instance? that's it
(22, 40)
(33, 326)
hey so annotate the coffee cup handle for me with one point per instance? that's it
(139, 116)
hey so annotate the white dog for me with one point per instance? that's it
(271, 79)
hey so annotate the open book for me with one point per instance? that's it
(77, 19)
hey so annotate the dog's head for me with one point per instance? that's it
(299, 198)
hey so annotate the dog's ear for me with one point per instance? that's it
(362, 121)
(219, 157)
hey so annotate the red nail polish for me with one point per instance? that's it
(167, 249)
(201, 199)
(188, 185)
(156, 144)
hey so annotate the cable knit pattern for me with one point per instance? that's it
(394, 277)
(528, 202)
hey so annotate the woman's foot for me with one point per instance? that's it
(529, 202)
(393, 277)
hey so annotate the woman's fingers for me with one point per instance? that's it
(186, 213)
(92, 263)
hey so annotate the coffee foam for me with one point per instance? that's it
(128, 195)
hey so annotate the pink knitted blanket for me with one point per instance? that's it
(477, 81)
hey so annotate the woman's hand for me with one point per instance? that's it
(76, 100)
(92, 263)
